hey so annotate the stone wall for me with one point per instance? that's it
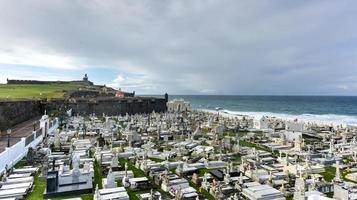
(118, 106)
(15, 112)
(88, 94)
(81, 82)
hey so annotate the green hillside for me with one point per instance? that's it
(35, 91)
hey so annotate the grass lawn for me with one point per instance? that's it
(290, 198)
(253, 145)
(157, 160)
(203, 171)
(329, 173)
(247, 144)
(238, 158)
(206, 194)
(83, 196)
(137, 172)
(329, 195)
(21, 163)
(140, 173)
(230, 133)
(35, 91)
(38, 190)
(98, 176)
(344, 174)
(132, 194)
(40, 186)
(206, 130)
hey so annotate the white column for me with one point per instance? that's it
(44, 124)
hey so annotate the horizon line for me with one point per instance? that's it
(280, 95)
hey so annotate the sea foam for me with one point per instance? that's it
(322, 119)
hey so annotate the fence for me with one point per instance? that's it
(38, 132)
(16, 152)
(29, 139)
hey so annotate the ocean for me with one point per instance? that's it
(334, 109)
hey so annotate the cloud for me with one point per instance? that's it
(186, 47)
(132, 83)
(120, 79)
(29, 74)
(26, 56)
(208, 91)
(343, 87)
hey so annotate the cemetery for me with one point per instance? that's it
(180, 154)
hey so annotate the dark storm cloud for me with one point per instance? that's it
(232, 47)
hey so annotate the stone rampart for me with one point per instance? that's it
(15, 112)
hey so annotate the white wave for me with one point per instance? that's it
(322, 119)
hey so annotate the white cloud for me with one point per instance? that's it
(27, 56)
(208, 91)
(343, 87)
(120, 79)
(3, 79)
(232, 47)
(27, 74)
(133, 83)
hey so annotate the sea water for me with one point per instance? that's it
(334, 109)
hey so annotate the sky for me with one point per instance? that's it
(238, 47)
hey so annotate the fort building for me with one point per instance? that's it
(84, 81)
(89, 99)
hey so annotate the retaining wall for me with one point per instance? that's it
(15, 112)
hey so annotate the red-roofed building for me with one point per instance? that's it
(119, 93)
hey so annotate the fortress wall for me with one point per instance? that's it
(34, 82)
(119, 106)
(15, 112)
(17, 82)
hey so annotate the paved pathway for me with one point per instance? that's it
(17, 132)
